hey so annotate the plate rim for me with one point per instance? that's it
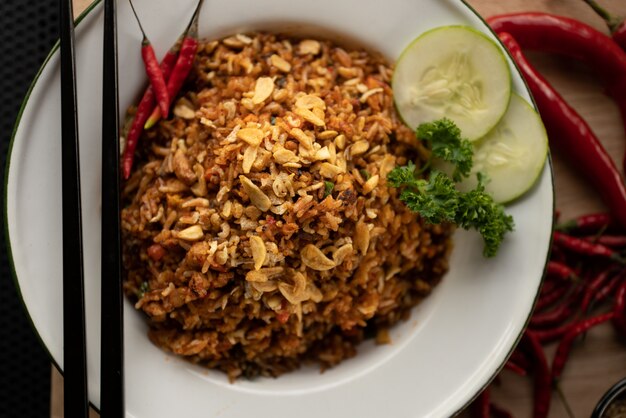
(9, 251)
(549, 249)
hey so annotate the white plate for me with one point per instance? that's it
(453, 343)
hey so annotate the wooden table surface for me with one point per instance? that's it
(601, 360)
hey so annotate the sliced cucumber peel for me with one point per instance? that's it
(455, 72)
(512, 155)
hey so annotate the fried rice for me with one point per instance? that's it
(258, 229)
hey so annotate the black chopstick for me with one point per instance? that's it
(74, 347)
(112, 326)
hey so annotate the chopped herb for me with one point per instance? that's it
(328, 188)
(143, 289)
(446, 143)
(436, 198)
(273, 120)
(365, 174)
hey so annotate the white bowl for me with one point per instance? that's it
(449, 349)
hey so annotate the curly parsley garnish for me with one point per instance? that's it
(436, 198)
(447, 144)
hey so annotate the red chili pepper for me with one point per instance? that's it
(562, 35)
(619, 310)
(183, 66)
(499, 412)
(565, 346)
(591, 223)
(147, 103)
(608, 289)
(583, 247)
(553, 317)
(557, 254)
(549, 286)
(151, 64)
(143, 112)
(541, 372)
(551, 297)
(561, 313)
(153, 70)
(520, 359)
(619, 35)
(571, 135)
(613, 241)
(561, 271)
(596, 283)
(480, 406)
(552, 334)
(515, 368)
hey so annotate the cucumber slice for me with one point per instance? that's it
(512, 155)
(456, 72)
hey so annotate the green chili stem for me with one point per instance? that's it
(611, 21)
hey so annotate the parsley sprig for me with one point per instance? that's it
(447, 144)
(437, 199)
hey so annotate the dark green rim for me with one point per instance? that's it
(5, 214)
(80, 18)
(549, 162)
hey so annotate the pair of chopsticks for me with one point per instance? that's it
(76, 398)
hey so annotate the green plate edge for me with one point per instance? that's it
(549, 162)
